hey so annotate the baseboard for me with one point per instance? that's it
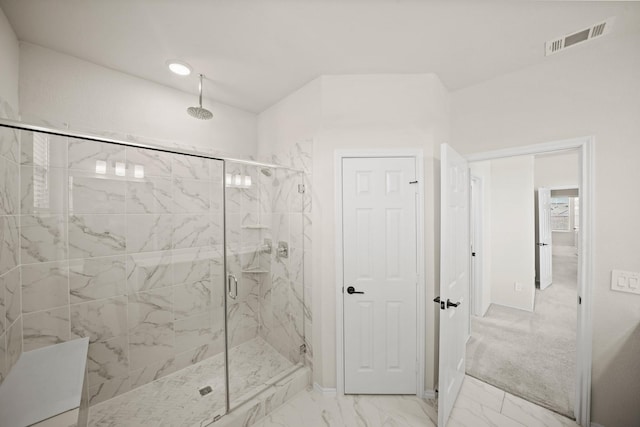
(324, 391)
(429, 394)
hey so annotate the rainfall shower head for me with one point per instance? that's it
(199, 112)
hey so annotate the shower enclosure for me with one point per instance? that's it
(184, 270)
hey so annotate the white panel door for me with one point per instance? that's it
(380, 275)
(544, 237)
(454, 278)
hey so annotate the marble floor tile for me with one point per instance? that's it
(483, 393)
(174, 400)
(311, 409)
(532, 415)
(478, 405)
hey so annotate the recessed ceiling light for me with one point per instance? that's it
(179, 67)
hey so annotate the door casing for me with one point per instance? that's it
(586, 244)
(418, 155)
(477, 230)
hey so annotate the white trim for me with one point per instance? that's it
(325, 391)
(421, 332)
(585, 259)
(477, 222)
(545, 147)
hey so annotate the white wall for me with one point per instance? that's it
(559, 170)
(63, 89)
(587, 90)
(9, 58)
(293, 119)
(512, 232)
(483, 170)
(360, 112)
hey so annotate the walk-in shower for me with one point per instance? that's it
(184, 270)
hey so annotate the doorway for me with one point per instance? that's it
(570, 287)
(380, 308)
(525, 343)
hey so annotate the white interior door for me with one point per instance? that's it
(454, 278)
(380, 275)
(544, 238)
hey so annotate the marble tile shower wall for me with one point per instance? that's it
(10, 312)
(270, 286)
(282, 290)
(300, 156)
(124, 246)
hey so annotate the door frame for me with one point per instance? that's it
(477, 277)
(418, 156)
(586, 244)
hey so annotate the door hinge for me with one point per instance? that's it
(579, 300)
(301, 188)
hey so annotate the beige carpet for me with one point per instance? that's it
(532, 355)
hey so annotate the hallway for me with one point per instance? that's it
(532, 355)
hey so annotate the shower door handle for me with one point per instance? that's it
(233, 295)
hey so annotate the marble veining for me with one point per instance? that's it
(149, 232)
(97, 278)
(45, 328)
(44, 286)
(478, 405)
(153, 162)
(91, 193)
(149, 270)
(149, 195)
(43, 238)
(83, 155)
(192, 230)
(190, 195)
(9, 142)
(9, 187)
(12, 295)
(174, 399)
(190, 167)
(9, 243)
(96, 235)
(99, 320)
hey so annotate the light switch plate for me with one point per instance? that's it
(625, 281)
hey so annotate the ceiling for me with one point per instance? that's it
(255, 52)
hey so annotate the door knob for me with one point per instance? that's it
(352, 290)
(452, 304)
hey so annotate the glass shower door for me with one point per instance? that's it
(131, 241)
(264, 277)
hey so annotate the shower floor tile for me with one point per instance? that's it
(175, 399)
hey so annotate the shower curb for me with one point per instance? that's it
(264, 403)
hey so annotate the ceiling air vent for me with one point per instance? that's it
(564, 42)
